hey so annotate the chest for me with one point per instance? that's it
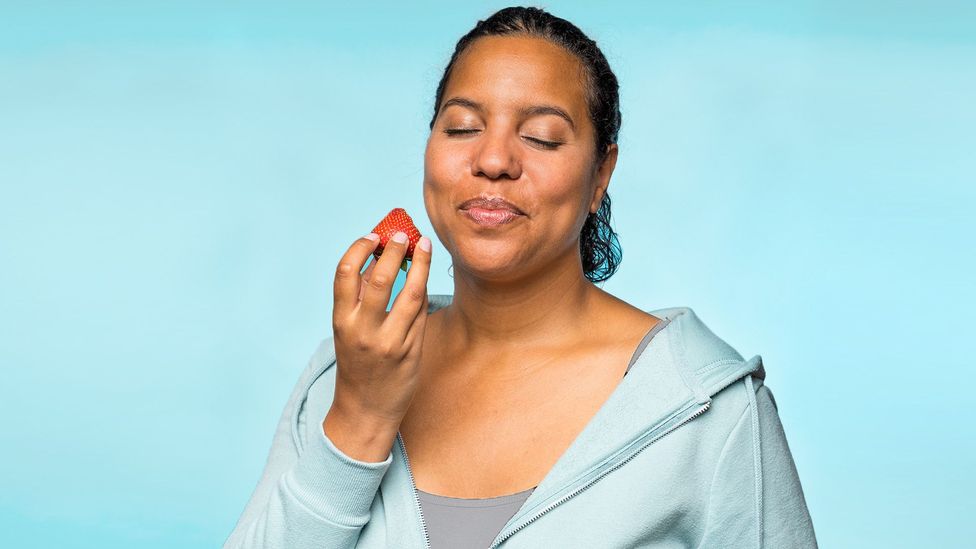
(478, 440)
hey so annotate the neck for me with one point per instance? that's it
(538, 310)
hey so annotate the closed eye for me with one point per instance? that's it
(450, 131)
(546, 144)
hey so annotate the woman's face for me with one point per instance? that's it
(514, 123)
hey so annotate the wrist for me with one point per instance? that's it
(359, 435)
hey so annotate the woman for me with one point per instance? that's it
(512, 395)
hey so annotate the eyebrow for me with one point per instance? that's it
(530, 110)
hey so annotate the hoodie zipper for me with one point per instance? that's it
(416, 496)
(699, 411)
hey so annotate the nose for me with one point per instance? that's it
(497, 156)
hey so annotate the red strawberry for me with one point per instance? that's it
(397, 220)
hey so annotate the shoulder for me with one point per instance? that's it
(615, 321)
(705, 362)
(711, 366)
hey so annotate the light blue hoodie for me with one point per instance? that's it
(688, 451)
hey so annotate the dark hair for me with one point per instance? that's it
(599, 246)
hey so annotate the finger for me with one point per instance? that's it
(417, 330)
(411, 298)
(347, 279)
(380, 285)
(365, 277)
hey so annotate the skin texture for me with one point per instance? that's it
(529, 349)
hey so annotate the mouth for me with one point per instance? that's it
(490, 218)
(492, 203)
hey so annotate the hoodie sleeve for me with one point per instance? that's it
(756, 499)
(309, 496)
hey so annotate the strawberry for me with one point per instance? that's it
(397, 220)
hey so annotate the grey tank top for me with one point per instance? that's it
(462, 523)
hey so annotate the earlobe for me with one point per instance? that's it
(598, 199)
(604, 171)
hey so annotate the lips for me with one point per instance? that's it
(490, 203)
(490, 218)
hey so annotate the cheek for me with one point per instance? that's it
(560, 184)
(563, 195)
(438, 185)
(440, 161)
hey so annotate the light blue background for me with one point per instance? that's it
(179, 179)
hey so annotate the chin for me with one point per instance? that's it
(479, 260)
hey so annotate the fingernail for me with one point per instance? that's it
(373, 236)
(400, 237)
(424, 243)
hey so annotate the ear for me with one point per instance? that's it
(602, 177)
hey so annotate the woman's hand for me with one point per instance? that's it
(377, 352)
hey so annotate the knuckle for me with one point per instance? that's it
(416, 294)
(344, 270)
(362, 343)
(390, 351)
(378, 281)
